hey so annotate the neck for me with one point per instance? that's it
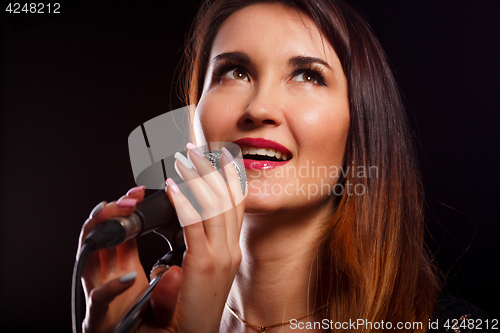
(278, 277)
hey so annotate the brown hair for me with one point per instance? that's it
(374, 243)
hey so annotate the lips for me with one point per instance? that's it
(263, 154)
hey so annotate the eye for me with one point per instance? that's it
(306, 77)
(236, 74)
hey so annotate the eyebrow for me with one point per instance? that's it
(298, 61)
(295, 61)
(240, 57)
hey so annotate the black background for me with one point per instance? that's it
(75, 84)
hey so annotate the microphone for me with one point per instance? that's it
(153, 213)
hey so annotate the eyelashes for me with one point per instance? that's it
(223, 67)
(308, 71)
(311, 73)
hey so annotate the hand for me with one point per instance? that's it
(108, 296)
(213, 254)
(210, 262)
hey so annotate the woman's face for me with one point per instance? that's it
(274, 81)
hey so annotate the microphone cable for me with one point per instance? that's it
(104, 236)
(76, 290)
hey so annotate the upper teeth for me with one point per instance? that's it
(264, 152)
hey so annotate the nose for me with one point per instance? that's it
(265, 107)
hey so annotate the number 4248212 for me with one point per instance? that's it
(34, 8)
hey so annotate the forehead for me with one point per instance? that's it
(271, 31)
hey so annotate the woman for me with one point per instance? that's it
(342, 241)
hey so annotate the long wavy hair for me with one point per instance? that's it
(374, 246)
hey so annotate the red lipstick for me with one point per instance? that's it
(262, 165)
(262, 143)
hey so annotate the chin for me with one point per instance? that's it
(257, 206)
(255, 211)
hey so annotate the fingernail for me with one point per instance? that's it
(97, 209)
(195, 150)
(173, 186)
(126, 202)
(227, 153)
(128, 277)
(184, 161)
(136, 189)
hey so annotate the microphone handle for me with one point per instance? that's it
(156, 211)
(152, 213)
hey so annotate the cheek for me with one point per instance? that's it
(311, 119)
(214, 116)
(320, 128)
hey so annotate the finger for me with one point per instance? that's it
(90, 223)
(207, 171)
(123, 207)
(102, 212)
(231, 176)
(212, 206)
(234, 184)
(137, 193)
(164, 296)
(211, 181)
(127, 252)
(102, 296)
(109, 256)
(232, 181)
(107, 259)
(194, 233)
(200, 190)
(91, 270)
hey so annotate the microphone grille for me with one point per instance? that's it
(214, 157)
